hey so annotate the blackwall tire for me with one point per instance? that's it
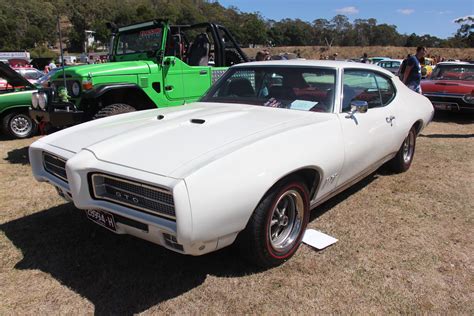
(276, 227)
(19, 125)
(402, 161)
(113, 109)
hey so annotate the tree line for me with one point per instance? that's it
(31, 24)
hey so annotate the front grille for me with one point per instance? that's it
(149, 199)
(55, 165)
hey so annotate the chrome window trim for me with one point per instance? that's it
(133, 206)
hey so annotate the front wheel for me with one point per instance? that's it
(19, 125)
(275, 229)
(402, 161)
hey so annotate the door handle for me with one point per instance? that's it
(168, 88)
(203, 72)
(389, 119)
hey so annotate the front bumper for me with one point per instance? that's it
(129, 221)
(447, 102)
(57, 118)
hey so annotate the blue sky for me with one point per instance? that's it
(434, 17)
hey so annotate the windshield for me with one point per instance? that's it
(139, 41)
(453, 72)
(295, 88)
(30, 74)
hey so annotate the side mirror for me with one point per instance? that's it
(359, 106)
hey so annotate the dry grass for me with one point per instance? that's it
(405, 245)
(314, 52)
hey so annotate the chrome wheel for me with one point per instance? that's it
(286, 222)
(20, 125)
(408, 147)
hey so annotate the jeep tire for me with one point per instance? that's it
(113, 109)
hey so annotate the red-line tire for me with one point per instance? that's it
(274, 231)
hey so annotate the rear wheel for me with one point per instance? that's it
(19, 125)
(114, 109)
(402, 161)
(275, 229)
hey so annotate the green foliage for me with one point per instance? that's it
(27, 24)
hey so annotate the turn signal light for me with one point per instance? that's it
(87, 85)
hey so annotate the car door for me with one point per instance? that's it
(368, 137)
(173, 84)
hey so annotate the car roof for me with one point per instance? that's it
(399, 60)
(454, 63)
(336, 64)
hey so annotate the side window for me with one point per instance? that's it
(360, 85)
(386, 89)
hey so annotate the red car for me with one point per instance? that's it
(451, 86)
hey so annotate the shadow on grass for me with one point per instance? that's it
(121, 274)
(18, 156)
(329, 204)
(448, 135)
(118, 274)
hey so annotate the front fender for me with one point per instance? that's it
(224, 193)
(100, 90)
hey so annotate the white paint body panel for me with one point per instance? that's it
(218, 171)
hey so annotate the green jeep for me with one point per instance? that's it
(152, 64)
(15, 99)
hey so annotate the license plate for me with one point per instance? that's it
(102, 218)
(443, 106)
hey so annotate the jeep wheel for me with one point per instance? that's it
(19, 125)
(114, 109)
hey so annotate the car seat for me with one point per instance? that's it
(198, 54)
(241, 87)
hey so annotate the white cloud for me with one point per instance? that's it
(347, 10)
(445, 12)
(405, 11)
(464, 18)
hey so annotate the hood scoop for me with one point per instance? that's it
(198, 121)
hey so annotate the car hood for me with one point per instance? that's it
(106, 69)
(447, 86)
(163, 140)
(13, 78)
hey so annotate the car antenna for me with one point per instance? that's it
(62, 54)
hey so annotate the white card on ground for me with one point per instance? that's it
(317, 239)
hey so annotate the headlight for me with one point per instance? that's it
(468, 98)
(34, 100)
(76, 89)
(42, 100)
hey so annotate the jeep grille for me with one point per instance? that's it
(139, 196)
(55, 165)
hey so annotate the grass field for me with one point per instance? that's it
(406, 245)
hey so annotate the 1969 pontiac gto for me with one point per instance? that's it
(269, 142)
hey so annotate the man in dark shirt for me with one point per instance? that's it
(412, 74)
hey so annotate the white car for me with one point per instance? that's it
(267, 143)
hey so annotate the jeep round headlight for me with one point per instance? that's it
(34, 100)
(42, 100)
(76, 89)
(468, 98)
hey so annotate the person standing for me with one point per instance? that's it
(412, 74)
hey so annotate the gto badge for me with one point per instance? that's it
(127, 197)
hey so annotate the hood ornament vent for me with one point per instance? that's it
(198, 121)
